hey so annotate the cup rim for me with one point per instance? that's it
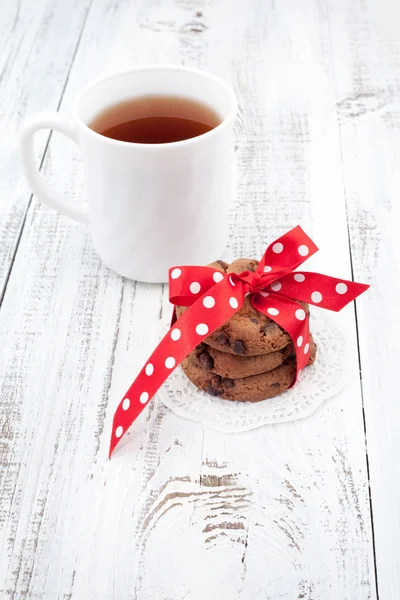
(179, 144)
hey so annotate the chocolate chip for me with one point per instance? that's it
(239, 347)
(222, 338)
(206, 360)
(252, 266)
(212, 391)
(222, 264)
(228, 383)
(254, 320)
(265, 328)
(275, 385)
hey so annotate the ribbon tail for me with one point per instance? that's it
(289, 315)
(321, 290)
(206, 314)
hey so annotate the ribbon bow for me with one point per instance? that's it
(214, 297)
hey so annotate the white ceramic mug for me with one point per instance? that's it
(150, 206)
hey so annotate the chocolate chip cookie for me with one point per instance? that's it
(250, 389)
(233, 367)
(229, 365)
(244, 389)
(248, 332)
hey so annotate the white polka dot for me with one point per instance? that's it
(126, 404)
(299, 277)
(273, 311)
(195, 287)
(264, 294)
(233, 302)
(149, 370)
(201, 329)
(341, 288)
(300, 341)
(218, 276)
(209, 302)
(276, 286)
(316, 297)
(231, 281)
(144, 397)
(119, 431)
(277, 248)
(175, 273)
(267, 269)
(170, 362)
(175, 334)
(306, 348)
(300, 314)
(303, 250)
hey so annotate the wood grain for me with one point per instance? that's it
(367, 74)
(183, 512)
(34, 68)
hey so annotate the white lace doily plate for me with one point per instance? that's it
(328, 376)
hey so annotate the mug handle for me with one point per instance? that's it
(35, 180)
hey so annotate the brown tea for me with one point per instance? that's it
(155, 120)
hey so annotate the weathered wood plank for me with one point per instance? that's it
(366, 53)
(181, 511)
(37, 45)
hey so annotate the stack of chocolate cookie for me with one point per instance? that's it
(249, 358)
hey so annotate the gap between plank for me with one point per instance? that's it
(371, 511)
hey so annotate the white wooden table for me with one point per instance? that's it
(305, 510)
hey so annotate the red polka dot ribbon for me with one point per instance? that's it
(214, 297)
